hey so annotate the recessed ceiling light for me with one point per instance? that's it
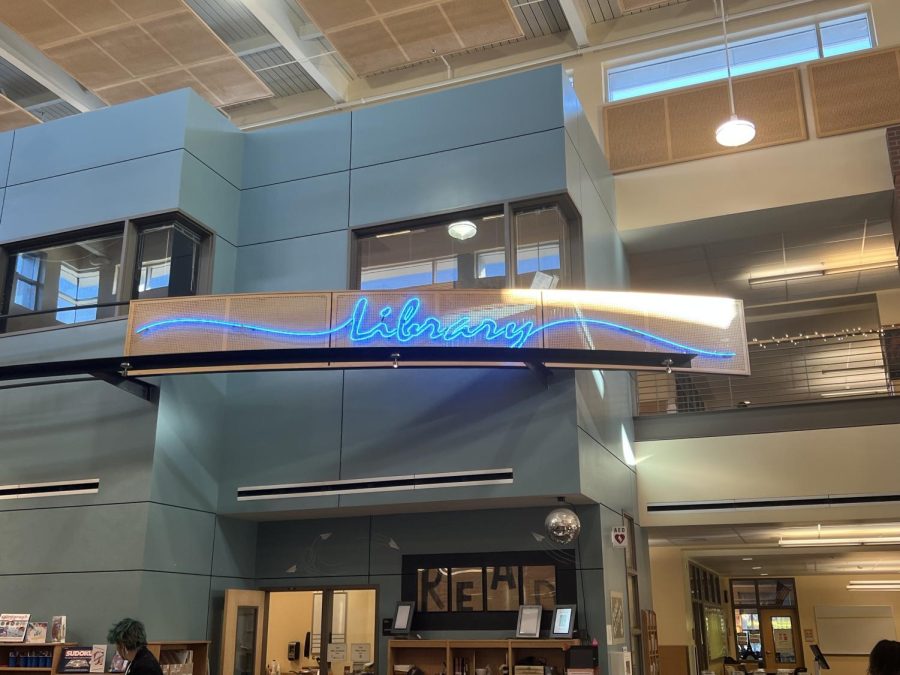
(746, 558)
(763, 574)
(462, 229)
(758, 567)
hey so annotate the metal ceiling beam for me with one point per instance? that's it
(279, 19)
(577, 19)
(31, 61)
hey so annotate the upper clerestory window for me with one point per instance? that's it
(776, 49)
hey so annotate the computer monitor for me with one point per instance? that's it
(821, 662)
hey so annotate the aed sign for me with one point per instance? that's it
(619, 537)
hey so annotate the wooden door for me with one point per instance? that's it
(242, 632)
(782, 645)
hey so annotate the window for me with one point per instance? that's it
(432, 255)
(69, 281)
(764, 52)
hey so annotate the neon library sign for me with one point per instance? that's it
(708, 330)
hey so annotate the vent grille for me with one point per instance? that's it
(56, 489)
(774, 503)
(377, 484)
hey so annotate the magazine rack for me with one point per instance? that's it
(172, 653)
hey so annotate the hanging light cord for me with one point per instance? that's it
(728, 61)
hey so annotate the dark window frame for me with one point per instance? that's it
(129, 230)
(571, 244)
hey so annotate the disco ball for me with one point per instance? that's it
(563, 526)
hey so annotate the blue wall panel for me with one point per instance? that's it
(224, 266)
(459, 179)
(85, 341)
(93, 196)
(234, 552)
(314, 263)
(209, 198)
(604, 477)
(108, 136)
(178, 540)
(520, 104)
(296, 208)
(308, 148)
(161, 593)
(212, 139)
(6, 143)
(325, 547)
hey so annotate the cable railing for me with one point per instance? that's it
(789, 370)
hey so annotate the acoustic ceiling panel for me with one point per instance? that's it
(125, 49)
(855, 93)
(14, 117)
(680, 125)
(377, 35)
(639, 5)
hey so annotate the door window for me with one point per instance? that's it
(783, 635)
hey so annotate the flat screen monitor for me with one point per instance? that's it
(820, 657)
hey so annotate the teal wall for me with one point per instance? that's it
(166, 536)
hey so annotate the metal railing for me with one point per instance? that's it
(789, 370)
(48, 318)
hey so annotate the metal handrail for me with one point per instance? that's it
(785, 371)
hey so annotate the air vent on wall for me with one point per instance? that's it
(773, 503)
(56, 489)
(420, 481)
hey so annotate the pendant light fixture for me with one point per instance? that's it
(736, 131)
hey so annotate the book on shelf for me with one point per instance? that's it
(98, 659)
(581, 671)
(118, 664)
(13, 627)
(37, 631)
(76, 660)
(58, 629)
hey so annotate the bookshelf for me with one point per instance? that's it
(650, 643)
(168, 653)
(53, 649)
(436, 656)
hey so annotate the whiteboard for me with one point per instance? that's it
(853, 629)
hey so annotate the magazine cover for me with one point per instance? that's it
(13, 627)
(76, 660)
(58, 629)
(98, 659)
(37, 631)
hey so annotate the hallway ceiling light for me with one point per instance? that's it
(462, 229)
(736, 131)
(821, 272)
(840, 541)
(874, 585)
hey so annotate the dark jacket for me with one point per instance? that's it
(144, 664)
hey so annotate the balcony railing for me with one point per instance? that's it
(790, 370)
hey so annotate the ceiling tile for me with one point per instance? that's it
(367, 48)
(135, 50)
(88, 63)
(328, 14)
(481, 22)
(17, 119)
(142, 9)
(186, 37)
(121, 93)
(178, 79)
(385, 6)
(422, 33)
(90, 15)
(230, 81)
(36, 21)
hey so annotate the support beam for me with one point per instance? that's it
(280, 20)
(577, 20)
(31, 61)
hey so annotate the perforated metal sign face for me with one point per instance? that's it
(574, 329)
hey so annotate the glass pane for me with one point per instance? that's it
(849, 34)
(168, 258)
(783, 634)
(245, 641)
(539, 236)
(433, 586)
(468, 589)
(72, 277)
(715, 632)
(430, 256)
(502, 588)
(776, 50)
(776, 593)
(539, 583)
(743, 593)
(746, 630)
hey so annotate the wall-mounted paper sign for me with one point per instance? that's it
(619, 537)
(336, 652)
(361, 652)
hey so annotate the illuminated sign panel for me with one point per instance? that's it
(559, 328)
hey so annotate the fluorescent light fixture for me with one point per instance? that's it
(462, 229)
(874, 585)
(384, 235)
(763, 574)
(746, 558)
(821, 272)
(758, 567)
(499, 215)
(853, 392)
(839, 541)
(735, 132)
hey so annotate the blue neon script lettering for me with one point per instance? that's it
(408, 326)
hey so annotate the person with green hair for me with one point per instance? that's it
(130, 639)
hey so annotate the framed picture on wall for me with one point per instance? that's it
(403, 615)
(563, 621)
(616, 618)
(529, 623)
